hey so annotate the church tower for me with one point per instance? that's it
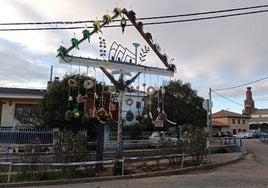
(249, 105)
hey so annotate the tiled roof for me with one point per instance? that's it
(21, 91)
(228, 114)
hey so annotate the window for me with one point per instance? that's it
(26, 112)
(233, 121)
(244, 122)
(238, 121)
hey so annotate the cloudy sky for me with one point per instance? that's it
(216, 53)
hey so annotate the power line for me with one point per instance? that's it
(145, 18)
(227, 98)
(242, 85)
(148, 23)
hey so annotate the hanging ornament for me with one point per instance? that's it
(88, 84)
(163, 115)
(75, 43)
(129, 101)
(138, 104)
(107, 19)
(70, 98)
(129, 115)
(97, 26)
(118, 11)
(158, 122)
(80, 98)
(150, 90)
(86, 34)
(72, 83)
(123, 24)
(102, 115)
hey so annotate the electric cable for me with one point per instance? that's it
(148, 23)
(234, 87)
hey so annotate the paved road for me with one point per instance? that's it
(252, 172)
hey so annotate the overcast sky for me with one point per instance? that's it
(216, 53)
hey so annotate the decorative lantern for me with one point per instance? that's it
(123, 24)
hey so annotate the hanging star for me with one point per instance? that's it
(86, 34)
(75, 42)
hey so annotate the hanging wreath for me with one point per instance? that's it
(150, 90)
(72, 83)
(88, 84)
(129, 115)
(102, 115)
(129, 101)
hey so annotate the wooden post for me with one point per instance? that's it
(119, 126)
(9, 173)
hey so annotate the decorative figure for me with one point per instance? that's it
(118, 11)
(86, 34)
(75, 43)
(97, 26)
(123, 24)
(107, 19)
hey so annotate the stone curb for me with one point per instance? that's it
(134, 176)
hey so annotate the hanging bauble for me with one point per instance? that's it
(88, 84)
(129, 115)
(144, 84)
(150, 90)
(72, 83)
(138, 87)
(80, 98)
(163, 115)
(129, 101)
(70, 98)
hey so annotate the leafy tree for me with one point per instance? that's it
(60, 104)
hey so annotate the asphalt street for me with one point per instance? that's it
(251, 172)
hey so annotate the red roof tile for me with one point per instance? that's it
(228, 114)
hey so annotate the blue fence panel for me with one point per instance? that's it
(25, 136)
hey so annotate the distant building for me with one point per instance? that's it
(20, 102)
(258, 117)
(226, 121)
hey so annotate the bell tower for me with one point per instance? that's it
(249, 105)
